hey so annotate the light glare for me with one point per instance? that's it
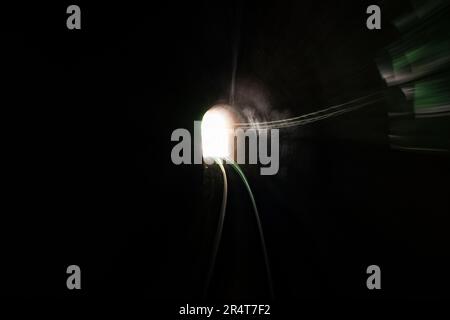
(216, 133)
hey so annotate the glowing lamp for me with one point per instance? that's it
(217, 133)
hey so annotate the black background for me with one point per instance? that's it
(87, 176)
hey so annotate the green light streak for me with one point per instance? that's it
(258, 221)
(218, 237)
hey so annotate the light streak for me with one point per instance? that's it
(317, 115)
(258, 221)
(218, 237)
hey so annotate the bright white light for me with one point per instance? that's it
(217, 133)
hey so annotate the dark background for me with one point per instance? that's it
(88, 180)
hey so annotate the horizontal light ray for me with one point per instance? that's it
(315, 116)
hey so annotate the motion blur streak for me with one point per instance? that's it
(416, 68)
